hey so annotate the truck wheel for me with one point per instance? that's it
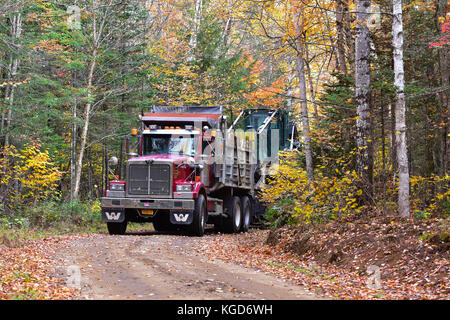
(162, 223)
(200, 215)
(232, 223)
(246, 213)
(117, 227)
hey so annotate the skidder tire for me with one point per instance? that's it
(232, 223)
(197, 227)
(117, 228)
(246, 213)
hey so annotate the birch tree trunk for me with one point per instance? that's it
(196, 28)
(290, 89)
(303, 97)
(400, 111)
(84, 133)
(364, 159)
(228, 25)
(96, 33)
(15, 32)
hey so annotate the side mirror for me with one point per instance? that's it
(127, 149)
(113, 161)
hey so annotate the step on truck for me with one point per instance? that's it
(195, 166)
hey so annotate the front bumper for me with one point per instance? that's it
(140, 203)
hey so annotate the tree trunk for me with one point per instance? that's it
(196, 28)
(364, 159)
(84, 133)
(348, 20)
(73, 152)
(444, 57)
(96, 35)
(312, 90)
(393, 143)
(340, 37)
(303, 97)
(228, 25)
(290, 89)
(400, 111)
(383, 151)
(15, 32)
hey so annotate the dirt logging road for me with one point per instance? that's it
(366, 259)
(149, 265)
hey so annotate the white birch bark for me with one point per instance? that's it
(15, 31)
(96, 38)
(400, 111)
(196, 28)
(303, 97)
(290, 89)
(84, 133)
(364, 161)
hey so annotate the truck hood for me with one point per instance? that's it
(162, 157)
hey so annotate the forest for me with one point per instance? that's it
(367, 83)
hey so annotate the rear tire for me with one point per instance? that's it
(246, 213)
(232, 223)
(117, 228)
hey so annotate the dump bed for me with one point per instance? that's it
(239, 155)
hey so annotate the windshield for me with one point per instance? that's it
(169, 144)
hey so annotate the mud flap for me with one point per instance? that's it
(183, 217)
(113, 215)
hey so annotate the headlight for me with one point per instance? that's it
(184, 188)
(117, 187)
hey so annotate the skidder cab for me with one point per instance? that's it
(190, 168)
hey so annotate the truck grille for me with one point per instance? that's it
(151, 179)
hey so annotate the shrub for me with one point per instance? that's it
(52, 214)
(430, 196)
(27, 176)
(280, 214)
(324, 199)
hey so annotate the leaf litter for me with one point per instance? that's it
(336, 260)
(26, 270)
(332, 260)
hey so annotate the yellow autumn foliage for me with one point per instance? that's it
(336, 194)
(26, 175)
(326, 198)
(430, 195)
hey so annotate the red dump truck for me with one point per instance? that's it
(194, 166)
